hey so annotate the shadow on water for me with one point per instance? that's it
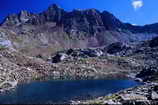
(63, 91)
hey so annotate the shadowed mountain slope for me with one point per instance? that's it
(55, 29)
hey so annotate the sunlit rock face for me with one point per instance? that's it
(55, 29)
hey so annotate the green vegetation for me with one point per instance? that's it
(112, 97)
(2, 47)
(18, 40)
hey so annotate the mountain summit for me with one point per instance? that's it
(90, 18)
(57, 29)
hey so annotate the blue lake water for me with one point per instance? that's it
(63, 91)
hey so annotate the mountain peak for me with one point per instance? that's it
(17, 19)
(76, 19)
(24, 16)
(55, 6)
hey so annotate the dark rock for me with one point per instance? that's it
(76, 53)
(39, 56)
(148, 73)
(156, 88)
(69, 51)
(59, 57)
(115, 48)
(154, 42)
(54, 14)
(88, 21)
(92, 53)
(110, 21)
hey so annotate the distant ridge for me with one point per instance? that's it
(55, 29)
(77, 18)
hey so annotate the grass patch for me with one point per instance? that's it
(114, 97)
(3, 47)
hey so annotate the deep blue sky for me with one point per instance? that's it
(122, 9)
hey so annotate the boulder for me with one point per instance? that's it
(133, 97)
(154, 95)
(138, 80)
(156, 88)
(111, 102)
(147, 73)
(154, 42)
(115, 48)
(59, 57)
(92, 52)
(69, 51)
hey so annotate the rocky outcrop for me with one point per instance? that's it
(14, 19)
(59, 57)
(116, 47)
(56, 29)
(154, 42)
(140, 95)
(134, 57)
(110, 21)
(76, 54)
(92, 20)
(72, 64)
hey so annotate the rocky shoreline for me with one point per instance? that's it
(17, 68)
(146, 94)
(132, 61)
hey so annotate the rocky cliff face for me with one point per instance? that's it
(91, 19)
(55, 29)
